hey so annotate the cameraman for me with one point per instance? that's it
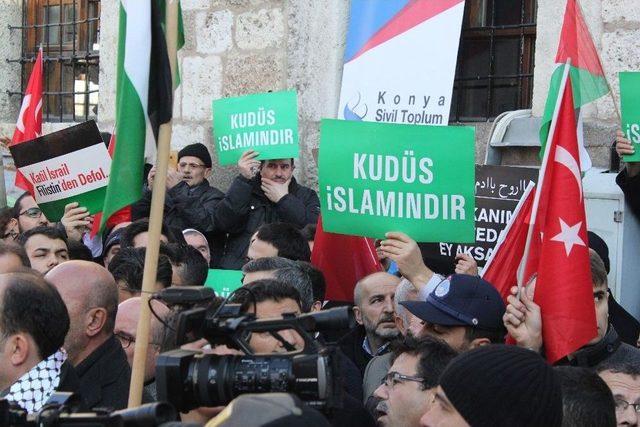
(270, 298)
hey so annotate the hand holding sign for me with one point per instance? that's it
(625, 148)
(405, 252)
(248, 164)
(274, 190)
(76, 221)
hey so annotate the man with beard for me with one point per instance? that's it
(373, 298)
(409, 387)
(27, 213)
(263, 193)
(408, 325)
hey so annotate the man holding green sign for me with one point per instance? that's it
(260, 133)
(264, 122)
(378, 177)
(628, 140)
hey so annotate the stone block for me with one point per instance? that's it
(245, 74)
(315, 51)
(195, 4)
(213, 31)
(10, 48)
(260, 29)
(108, 57)
(185, 134)
(620, 11)
(201, 84)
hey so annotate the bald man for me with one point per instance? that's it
(91, 296)
(127, 328)
(373, 298)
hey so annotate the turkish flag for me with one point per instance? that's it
(29, 125)
(343, 260)
(501, 270)
(564, 289)
(123, 215)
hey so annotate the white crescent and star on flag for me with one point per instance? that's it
(569, 234)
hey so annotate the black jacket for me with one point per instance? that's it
(185, 207)
(351, 346)
(104, 376)
(608, 349)
(245, 208)
(631, 189)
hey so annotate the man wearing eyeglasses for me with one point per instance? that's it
(126, 328)
(190, 201)
(408, 388)
(624, 381)
(28, 214)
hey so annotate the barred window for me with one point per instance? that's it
(68, 31)
(495, 60)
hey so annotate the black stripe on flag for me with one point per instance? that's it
(56, 144)
(160, 100)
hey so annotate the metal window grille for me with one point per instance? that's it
(495, 60)
(68, 31)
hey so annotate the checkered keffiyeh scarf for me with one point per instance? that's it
(33, 389)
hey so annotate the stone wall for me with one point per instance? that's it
(236, 47)
(615, 28)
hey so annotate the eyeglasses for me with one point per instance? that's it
(393, 378)
(127, 340)
(32, 213)
(12, 234)
(191, 165)
(622, 405)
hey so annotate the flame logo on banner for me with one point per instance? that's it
(350, 112)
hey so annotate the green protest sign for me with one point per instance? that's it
(223, 281)
(630, 110)
(265, 122)
(380, 177)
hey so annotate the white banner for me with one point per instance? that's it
(400, 61)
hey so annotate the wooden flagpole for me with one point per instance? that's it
(155, 228)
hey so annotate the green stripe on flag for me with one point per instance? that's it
(587, 87)
(125, 179)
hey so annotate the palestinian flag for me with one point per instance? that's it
(587, 76)
(144, 98)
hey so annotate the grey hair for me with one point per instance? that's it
(404, 292)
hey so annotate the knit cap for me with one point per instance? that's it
(196, 150)
(499, 385)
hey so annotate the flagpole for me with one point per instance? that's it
(541, 173)
(153, 248)
(506, 230)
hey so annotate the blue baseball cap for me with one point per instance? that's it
(461, 300)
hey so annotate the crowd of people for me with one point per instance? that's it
(427, 350)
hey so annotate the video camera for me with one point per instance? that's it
(62, 410)
(189, 379)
